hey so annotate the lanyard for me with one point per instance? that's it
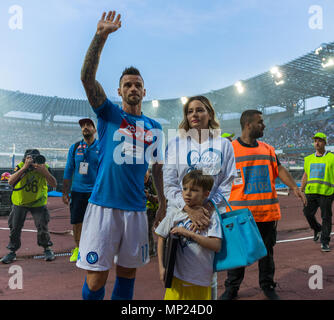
(85, 148)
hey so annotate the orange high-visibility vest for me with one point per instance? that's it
(255, 186)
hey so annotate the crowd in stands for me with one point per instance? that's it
(298, 135)
(287, 134)
(26, 136)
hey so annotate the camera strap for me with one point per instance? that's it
(27, 182)
(76, 145)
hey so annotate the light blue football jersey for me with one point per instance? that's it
(127, 143)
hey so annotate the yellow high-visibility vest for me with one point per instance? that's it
(35, 191)
(320, 174)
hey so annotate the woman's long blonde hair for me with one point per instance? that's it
(213, 122)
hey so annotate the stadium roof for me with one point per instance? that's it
(304, 77)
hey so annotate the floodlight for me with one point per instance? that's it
(184, 100)
(323, 47)
(278, 83)
(155, 103)
(318, 50)
(326, 54)
(327, 63)
(239, 86)
(274, 70)
(277, 75)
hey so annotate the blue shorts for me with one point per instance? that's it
(78, 205)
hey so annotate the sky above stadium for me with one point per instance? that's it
(182, 47)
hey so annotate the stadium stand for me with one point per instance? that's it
(30, 120)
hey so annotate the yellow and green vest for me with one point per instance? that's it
(35, 192)
(320, 174)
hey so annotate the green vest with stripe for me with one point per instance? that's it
(35, 191)
(320, 174)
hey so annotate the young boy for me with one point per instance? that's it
(195, 252)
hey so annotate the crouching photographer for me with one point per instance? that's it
(30, 182)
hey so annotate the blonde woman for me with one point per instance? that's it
(199, 145)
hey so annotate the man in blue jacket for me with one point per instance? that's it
(80, 172)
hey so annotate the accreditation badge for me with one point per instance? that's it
(83, 169)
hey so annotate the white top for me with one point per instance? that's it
(215, 156)
(193, 263)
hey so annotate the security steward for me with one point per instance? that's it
(254, 188)
(318, 185)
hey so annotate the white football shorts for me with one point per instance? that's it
(113, 236)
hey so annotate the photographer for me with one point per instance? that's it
(30, 193)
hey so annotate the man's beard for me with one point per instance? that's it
(257, 134)
(133, 100)
(87, 135)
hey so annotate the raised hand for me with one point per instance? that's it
(108, 24)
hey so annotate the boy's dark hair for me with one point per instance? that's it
(247, 117)
(130, 71)
(197, 178)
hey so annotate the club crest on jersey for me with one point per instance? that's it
(92, 257)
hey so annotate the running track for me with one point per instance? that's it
(62, 280)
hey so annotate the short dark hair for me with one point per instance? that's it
(247, 117)
(130, 71)
(30, 152)
(197, 178)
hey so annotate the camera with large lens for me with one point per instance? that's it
(37, 158)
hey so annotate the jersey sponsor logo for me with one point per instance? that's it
(257, 179)
(136, 132)
(92, 257)
(317, 170)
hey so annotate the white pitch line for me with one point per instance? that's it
(50, 231)
(279, 241)
(297, 239)
(56, 255)
(27, 230)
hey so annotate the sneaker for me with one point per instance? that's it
(270, 292)
(9, 258)
(325, 247)
(229, 294)
(317, 235)
(49, 255)
(74, 256)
